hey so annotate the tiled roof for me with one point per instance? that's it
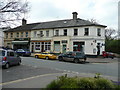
(56, 24)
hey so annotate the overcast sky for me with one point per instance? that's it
(104, 11)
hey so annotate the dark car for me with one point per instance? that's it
(23, 52)
(8, 58)
(75, 56)
(108, 54)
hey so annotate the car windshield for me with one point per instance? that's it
(2, 53)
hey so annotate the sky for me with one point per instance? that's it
(104, 11)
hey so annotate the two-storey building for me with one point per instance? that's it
(65, 35)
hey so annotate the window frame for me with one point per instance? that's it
(86, 31)
(75, 32)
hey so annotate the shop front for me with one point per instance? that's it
(21, 43)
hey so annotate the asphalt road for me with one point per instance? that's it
(39, 72)
(109, 69)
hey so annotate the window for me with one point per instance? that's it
(6, 35)
(65, 32)
(37, 46)
(47, 33)
(57, 32)
(26, 34)
(47, 46)
(41, 33)
(11, 35)
(17, 35)
(10, 53)
(35, 33)
(21, 34)
(86, 31)
(98, 32)
(75, 32)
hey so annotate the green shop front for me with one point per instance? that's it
(21, 43)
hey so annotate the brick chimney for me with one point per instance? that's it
(75, 15)
(24, 21)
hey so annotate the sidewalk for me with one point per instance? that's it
(102, 60)
(41, 81)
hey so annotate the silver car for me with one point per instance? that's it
(8, 58)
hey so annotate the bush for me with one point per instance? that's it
(86, 83)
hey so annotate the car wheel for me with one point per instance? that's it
(46, 58)
(36, 56)
(19, 62)
(76, 60)
(60, 58)
(6, 66)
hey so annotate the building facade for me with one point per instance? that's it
(64, 35)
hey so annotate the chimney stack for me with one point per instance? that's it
(24, 21)
(75, 15)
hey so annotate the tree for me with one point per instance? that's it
(11, 11)
(92, 20)
(110, 34)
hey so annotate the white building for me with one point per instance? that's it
(2, 35)
(68, 35)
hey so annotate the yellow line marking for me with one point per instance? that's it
(29, 78)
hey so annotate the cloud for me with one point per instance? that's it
(104, 11)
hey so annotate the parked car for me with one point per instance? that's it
(23, 52)
(46, 55)
(108, 54)
(75, 56)
(8, 58)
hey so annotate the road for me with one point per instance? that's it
(109, 69)
(43, 71)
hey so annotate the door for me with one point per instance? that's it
(11, 57)
(64, 49)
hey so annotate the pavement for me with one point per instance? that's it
(41, 81)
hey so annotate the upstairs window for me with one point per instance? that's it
(35, 33)
(86, 32)
(98, 32)
(41, 33)
(11, 35)
(6, 35)
(26, 34)
(57, 32)
(65, 32)
(21, 34)
(75, 32)
(17, 35)
(47, 33)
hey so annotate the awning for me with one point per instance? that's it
(20, 42)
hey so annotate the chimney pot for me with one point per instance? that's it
(24, 21)
(75, 15)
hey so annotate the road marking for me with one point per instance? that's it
(29, 78)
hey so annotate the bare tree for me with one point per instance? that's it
(93, 21)
(12, 11)
(110, 34)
